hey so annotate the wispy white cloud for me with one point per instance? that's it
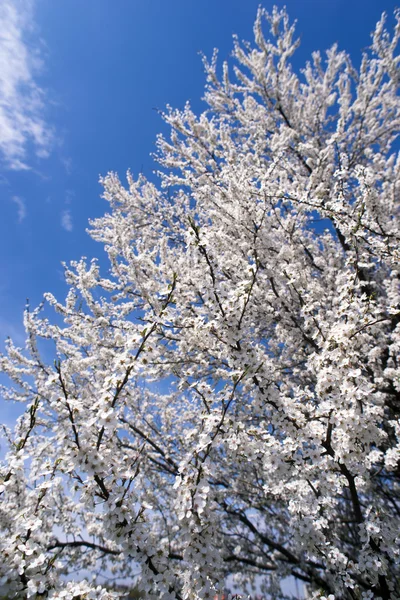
(66, 220)
(22, 101)
(69, 196)
(21, 208)
(67, 163)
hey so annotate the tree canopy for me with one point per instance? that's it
(225, 401)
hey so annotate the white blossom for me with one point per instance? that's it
(225, 401)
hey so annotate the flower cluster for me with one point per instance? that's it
(224, 405)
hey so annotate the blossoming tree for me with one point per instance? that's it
(226, 400)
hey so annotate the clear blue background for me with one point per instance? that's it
(107, 65)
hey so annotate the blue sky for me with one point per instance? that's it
(79, 82)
